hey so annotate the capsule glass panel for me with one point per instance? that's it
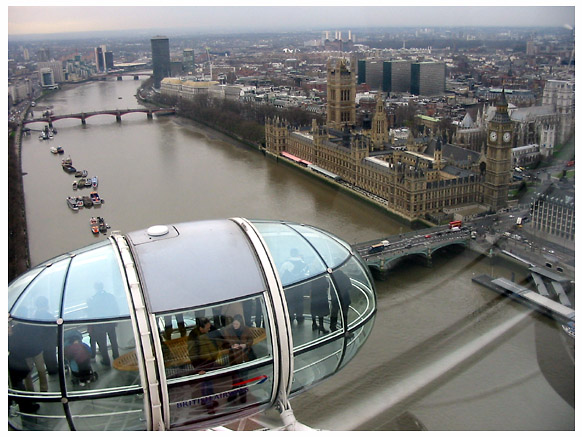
(32, 358)
(323, 308)
(52, 359)
(49, 416)
(48, 284)
(218, 359)
(314, 364)
(122, 412)
(94, 287)
(17, 286)
(295, 259)
(355, 340)
(328, 248)
(361, 296)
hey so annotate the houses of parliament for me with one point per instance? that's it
(418, 178)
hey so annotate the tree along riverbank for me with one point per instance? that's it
(18, 254)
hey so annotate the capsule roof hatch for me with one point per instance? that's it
(158, 230)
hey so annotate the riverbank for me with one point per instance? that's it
(414, 224)
(18, 253)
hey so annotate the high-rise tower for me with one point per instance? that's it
(188, 60)
(341, 94)
(160, 58)
(427, 78)
(498, 160)
(100, 58)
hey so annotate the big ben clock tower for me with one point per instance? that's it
(498, 160)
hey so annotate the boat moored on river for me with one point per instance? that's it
(72, 203)
(95, 198)
(94, 226)
(102, 225)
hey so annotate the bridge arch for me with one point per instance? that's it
(117, 113)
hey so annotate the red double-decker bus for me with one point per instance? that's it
(455, 224)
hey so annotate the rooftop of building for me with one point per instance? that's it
(561, 192)
(189, 83)
(522, 114)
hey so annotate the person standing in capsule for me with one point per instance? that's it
(203, 353)
(294, 270)
(239, 340)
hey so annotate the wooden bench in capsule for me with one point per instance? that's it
(178, 352)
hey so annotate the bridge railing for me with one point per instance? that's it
(403, 236)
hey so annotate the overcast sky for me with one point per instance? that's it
(254, 17)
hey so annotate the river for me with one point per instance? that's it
(444, 354)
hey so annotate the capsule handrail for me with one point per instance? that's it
(313, 363)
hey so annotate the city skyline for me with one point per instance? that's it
(52, 20)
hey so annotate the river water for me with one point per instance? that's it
(444, 354)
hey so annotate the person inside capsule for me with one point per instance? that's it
(203, 352)
(239, 340)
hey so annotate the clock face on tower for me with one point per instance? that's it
(506, 137)
(493, 136)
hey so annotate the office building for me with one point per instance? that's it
(108, 60)
(160, 59)
(387, 76)
(100, 59)
(361, 71)
(47, 80)
(427, 79)
(553, 214)
(374, 73)
(43, 55)
(396, 76)
(188, 60)
(57, 70)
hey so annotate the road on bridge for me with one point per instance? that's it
(412, 241)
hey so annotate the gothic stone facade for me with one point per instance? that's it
(412, 184)
(415, 180)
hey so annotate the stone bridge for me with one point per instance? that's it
(422, 245)
(83, 116)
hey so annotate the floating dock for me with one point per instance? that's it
(540, 303)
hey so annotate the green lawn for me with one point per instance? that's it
(566, 151)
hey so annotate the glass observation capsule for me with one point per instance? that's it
(184, 326)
